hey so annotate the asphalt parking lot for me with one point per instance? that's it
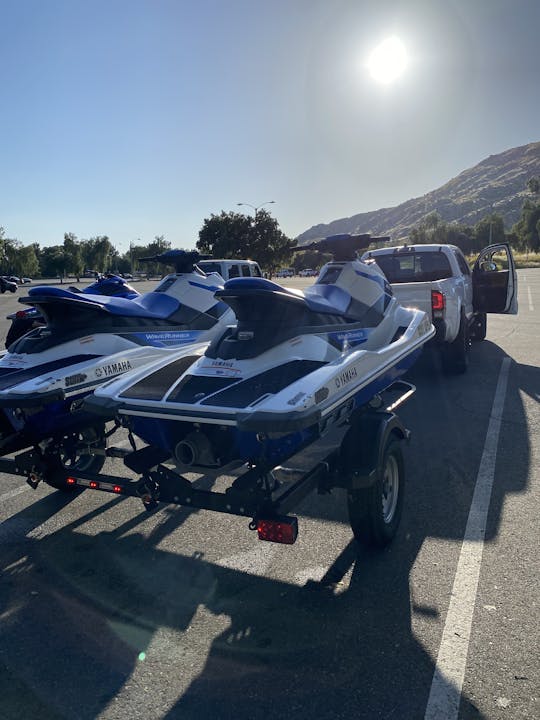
(108, 611)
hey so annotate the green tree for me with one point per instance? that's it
(53, 261)
(236, 236)
(489, 230)
(533, 185)
(433, 229)
(97, 253)
(226, 236)
(527, 227)
(73, 255)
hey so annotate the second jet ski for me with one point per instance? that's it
(89, 339)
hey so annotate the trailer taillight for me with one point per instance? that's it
(437, 303)
(284, 530)
(71, 481)
(117, 489)
(93, 484)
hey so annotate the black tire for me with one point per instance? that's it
(479, 327)
(455, 355)
(375, 512)
(67, 458)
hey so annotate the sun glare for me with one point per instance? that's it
(388, 61)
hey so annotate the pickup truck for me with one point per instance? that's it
(438, 280)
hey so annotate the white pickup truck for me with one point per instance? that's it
(438, 280)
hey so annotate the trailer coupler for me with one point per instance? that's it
(148, 491)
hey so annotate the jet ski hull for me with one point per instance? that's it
(263, 409)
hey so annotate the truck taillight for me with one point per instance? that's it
(437, 303)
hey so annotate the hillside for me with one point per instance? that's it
(498, 182)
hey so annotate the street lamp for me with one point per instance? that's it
(268, 202)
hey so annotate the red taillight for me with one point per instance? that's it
(284, 530)
(93, 484)
(21, 314)
(117, 489)
(437, 303)
(71, 481)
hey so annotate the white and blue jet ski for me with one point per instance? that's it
(295, 364)
(89, 339)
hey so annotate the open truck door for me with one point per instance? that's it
(495, 281)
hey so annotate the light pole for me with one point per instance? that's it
(258, 207)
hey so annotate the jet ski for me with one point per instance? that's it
(295, 364)
(91, 338)
(107, 284)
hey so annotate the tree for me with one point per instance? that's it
(527, 227)
(73, 255)
(489, 230)
(533, 185)
(237, 236)
(433, 229)
(97, 252)
(226, 235)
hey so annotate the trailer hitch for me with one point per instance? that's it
(148, 491)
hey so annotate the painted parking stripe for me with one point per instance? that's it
(13, 493)
(445, 693)
(529, 297)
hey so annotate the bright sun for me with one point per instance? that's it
(388, 61)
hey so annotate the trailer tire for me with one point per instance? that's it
(66, 458)
(375, 512)
(455, 355)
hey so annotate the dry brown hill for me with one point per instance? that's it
(499, 182)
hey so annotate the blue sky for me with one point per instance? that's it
(136, 118)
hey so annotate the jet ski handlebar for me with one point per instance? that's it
(343, 247)
(183, 261)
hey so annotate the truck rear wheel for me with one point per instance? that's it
(375, 512)
(455, 355)
(479, 327)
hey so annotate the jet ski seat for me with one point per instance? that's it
(150, 305)
(317, 298)
(268, 313)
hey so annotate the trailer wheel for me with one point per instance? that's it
(68, 457)
(375, 512)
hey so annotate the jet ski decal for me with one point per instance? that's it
(168, 339)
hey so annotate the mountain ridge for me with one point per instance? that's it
(496, 184)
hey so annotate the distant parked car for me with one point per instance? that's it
(6, 284)
(25, 280)
(14, 278)
(308, 272)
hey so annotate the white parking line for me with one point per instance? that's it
(529, 296)
(13, 493)
(445, 693)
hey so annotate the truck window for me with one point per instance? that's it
(414, 266)
(245, 271)
(234, 271)
(462, 262)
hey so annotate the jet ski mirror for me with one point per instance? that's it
(343, 247)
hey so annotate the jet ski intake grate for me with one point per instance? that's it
(154, 386)
(246, 392)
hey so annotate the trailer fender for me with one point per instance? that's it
(361, 451)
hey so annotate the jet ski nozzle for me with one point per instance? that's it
(195, 449)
